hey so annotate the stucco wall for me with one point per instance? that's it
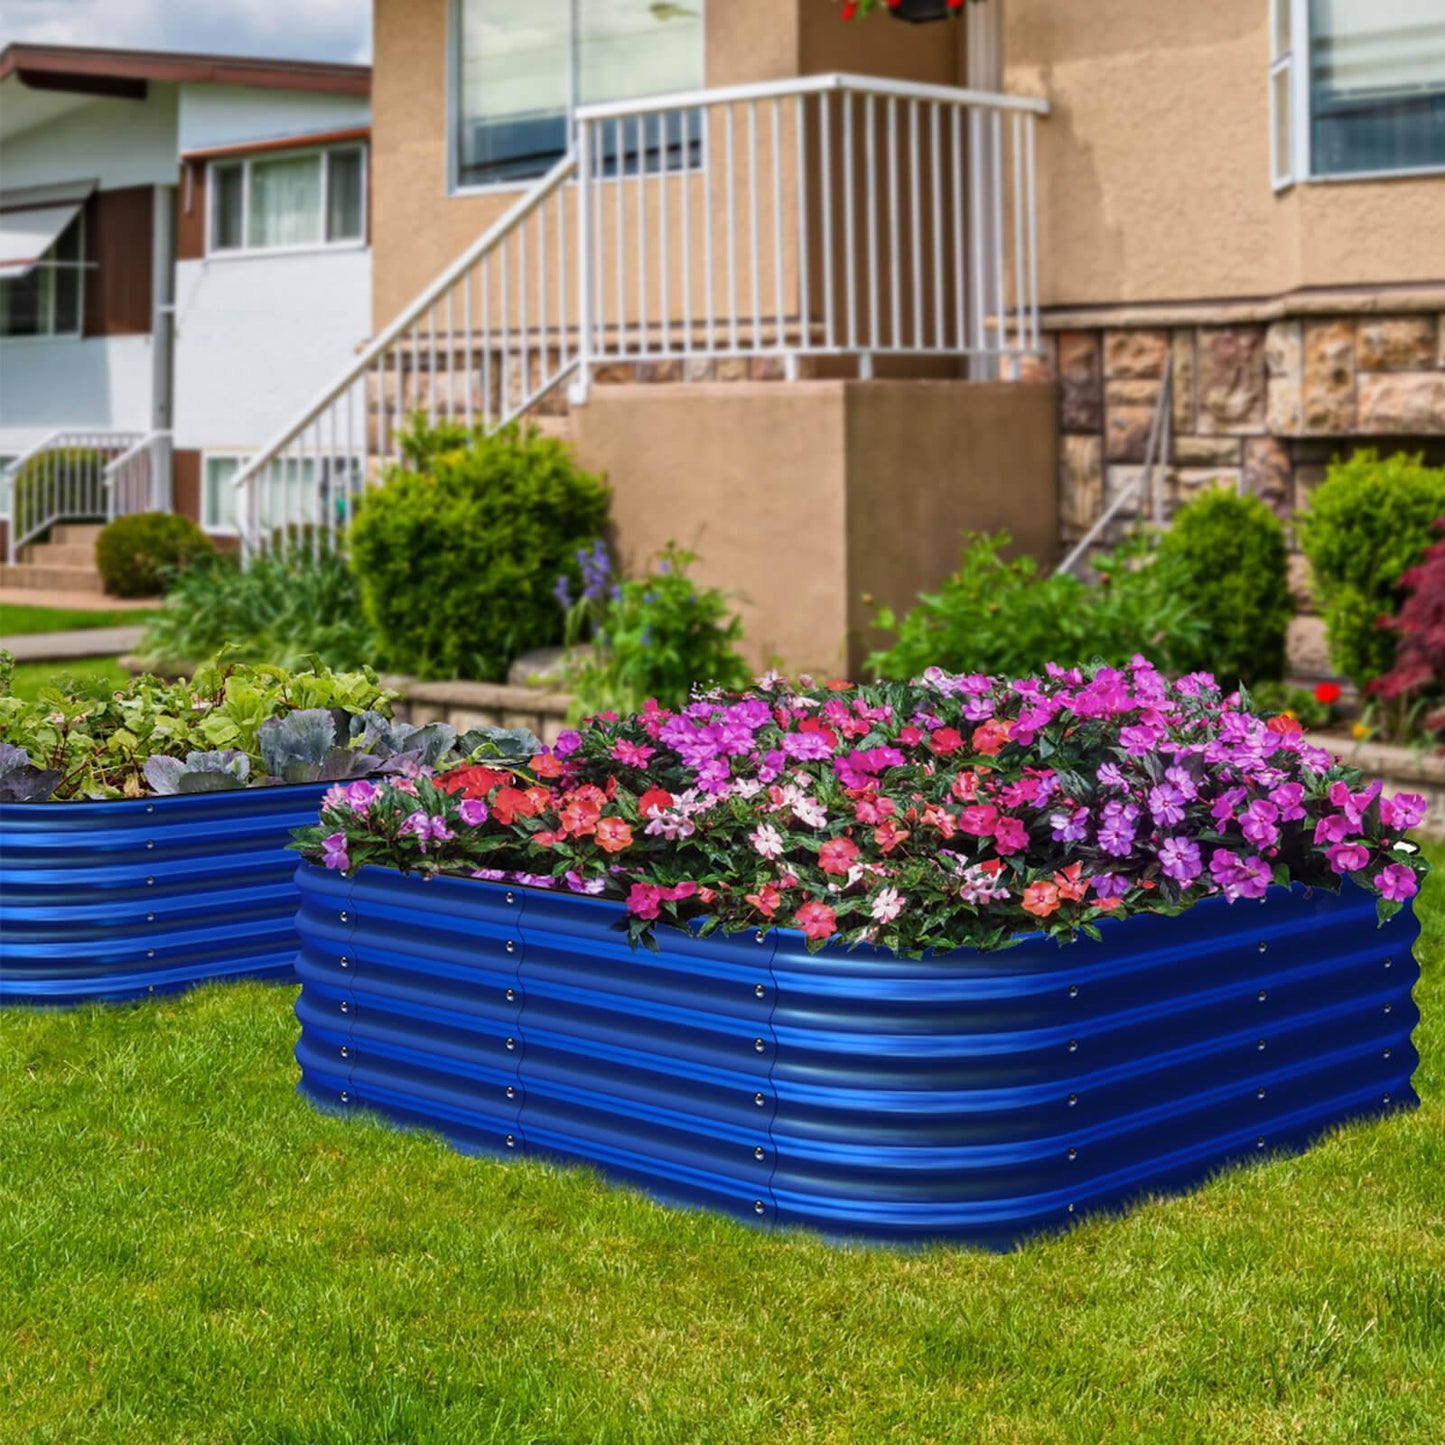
(1154, 178)
(116, 142)
(258, 337)
(801, 498)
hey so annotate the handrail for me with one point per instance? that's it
(125, 492)
(428, 298)
(74, 487)
(144, 444)
(834, 81)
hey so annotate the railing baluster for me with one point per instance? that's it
(470, 370)
(960, 335)
(996, 179)
(805, 300)
(871, 166)
(504, 350)
(754, 251)
(895, 247)
(915, 198)
(1020, 320)
(523, 319)
(642, 346)
(778, 221)
(709, 281)
(849, 220)
(564, 326)
(431, 365)
(975, 225)
(732, 236)
(935, 222)
(686, 169)
(487, 412)
(621, 247)
(825, 126)
(1033, 237)
(664, 245)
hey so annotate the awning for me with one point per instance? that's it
(31, 222)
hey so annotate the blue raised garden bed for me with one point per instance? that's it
(118, 900)
(978, 1097)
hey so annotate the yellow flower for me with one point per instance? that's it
(1359, 732)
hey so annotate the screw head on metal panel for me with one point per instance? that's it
(1387, 1053)
(1388, 1007)
(150, 918)
(1073, 990)
(1263, 994)
(1259, 1093)
(150, 807)
(345, 962)
(511, 995)
(1259, 1143)
(511, 1091)
(343, 915)
(510, 945)
(345, 1052)
(511, 1043)
(511, 897)
(151, 953)
(345, 1007)
(1264, 947)
(150, 882)
(760, 991)
(511, 1141)
(760, 1152)
(1073, 1046)
(1073, 1153)
(759, 1207)
(760, 1045)
(150, 842)
(1386, 1099)
(760, 937)
(1260, 1046)
(759, 1100)
(1071, 1209)
(1073, 1099)
(345, 1097)
(1388, 962)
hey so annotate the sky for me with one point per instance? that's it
(338, 30)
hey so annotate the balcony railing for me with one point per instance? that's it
(832, 216)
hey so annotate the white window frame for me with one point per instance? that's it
(245, 250)
(82, 266)
(219, 455)
(453, 181)
(1296, 62)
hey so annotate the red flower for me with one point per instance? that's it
(989, 737)
(817, 725)
(1284, 724)
(1070, 886)
(816, 920)
(837, 855)
(910, 736)
(1327, 693)
(839, 684)
(979, 820)
(654, 798)
(473, 782)
(766, 900)
(545, 765)
(1041, 899)
(889, 835)
(613, 835)
(512, 803)
(945, 741)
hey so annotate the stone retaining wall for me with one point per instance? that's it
(482, 704)
(1402, 770)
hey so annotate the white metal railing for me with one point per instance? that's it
(138, 480)
(826, 216)
(62, 478)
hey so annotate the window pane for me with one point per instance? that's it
(25, 304)
(1377, 85)
(630, 48)
(67, 301)
(218, 504)
(513, 87)
(344, 220)
(226, 216)
(5, 486)
(67, 245)
(286, 202)
(1282, 17)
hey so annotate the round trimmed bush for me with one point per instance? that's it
(138, 555)
(1233, 552)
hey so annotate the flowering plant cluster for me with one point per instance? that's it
(948, 812)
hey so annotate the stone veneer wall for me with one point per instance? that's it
(1261, 406)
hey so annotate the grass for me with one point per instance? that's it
(20, 620)
(190, 1253)
(30, 677)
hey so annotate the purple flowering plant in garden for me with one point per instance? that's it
(952, 811)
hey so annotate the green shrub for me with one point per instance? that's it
(457, 557)
(77, 471)
(1233, 551)
(140, 555)
(1367, 524)
(281, 609)
(652, 637)
(1000, 617)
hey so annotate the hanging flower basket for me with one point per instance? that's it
(916, 12)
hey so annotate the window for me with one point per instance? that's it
(522, 68)
(316, 198)
(6, 462)
(47, 300)
(1357, 87)
(287, 491)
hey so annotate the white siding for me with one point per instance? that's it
(117, 142)
(47, 384)
(222, 115)
(257, 338)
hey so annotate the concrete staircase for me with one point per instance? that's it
(66, 563)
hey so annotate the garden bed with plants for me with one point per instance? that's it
(924, 1083)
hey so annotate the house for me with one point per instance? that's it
(184, 252)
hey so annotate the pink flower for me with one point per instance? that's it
(836, 855)
(643, 900)
(1010, 836)
(1347, 857)
(473, 812)
(333, 852)
(978, 820)
(767, 840)
(1404, 810)
(1333, 829)
(887, 905)
(1397, 882)
(631, 754)
(817, 920)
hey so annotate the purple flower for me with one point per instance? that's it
(1239, 877)
(1224, 805)
(1070, 827)
(1111, 777)
(1183, 781)
(1333, 829)
(1289, 799)
(1397, 882)
(1257, 823)
(1180, 859)
(1166, 805)
(1404, 810)
(473, 812)
(1347, 857)
(1116, 831)
(1110, 885)
(333, 852)
(567, 743)
(425, 828)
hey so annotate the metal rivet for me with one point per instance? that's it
(343, 915)
(150, 842)
(1073, 1153)
(761, 991)
(511, 1043)
(510, 945)
(150, 918)
(345, 962)
(1259, 1143)
(759, 1100)
(511, 995)
(1073, 1046)
(150, 807)
(1259, 1093)
(760, 1045)
(1263, 947)
(1387, 1053)
(345, 1007)
(1073, 1099)
(511, 1141)
(759, 1207)
(511, 897)
(151, 953)
(1071, 1209)
(760, 1152)
(345, 1097)
(1073, 990)
(511, 1091)
(1388, 1007)
(1388, 962)
(1263, 994)
(1386, 1099)
(150, 882)
(345, 1052)
(760, 937)
(1260, 1046)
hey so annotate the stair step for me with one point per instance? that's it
(58, 554)
(76, 533)
(51, 579)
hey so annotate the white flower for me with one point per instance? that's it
(810, 812)
(887, 905)
(767, 840)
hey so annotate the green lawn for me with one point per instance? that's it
(17, 620)
(189, 1252)
(30, 677)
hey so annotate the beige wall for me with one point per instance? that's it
(1154, 169)
(802, 498)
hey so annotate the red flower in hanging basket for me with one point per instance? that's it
(1327, 693)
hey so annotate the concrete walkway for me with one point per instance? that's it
(78, 601)
(66, 646)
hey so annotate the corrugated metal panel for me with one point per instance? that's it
(117, 900)
(978, 1098)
